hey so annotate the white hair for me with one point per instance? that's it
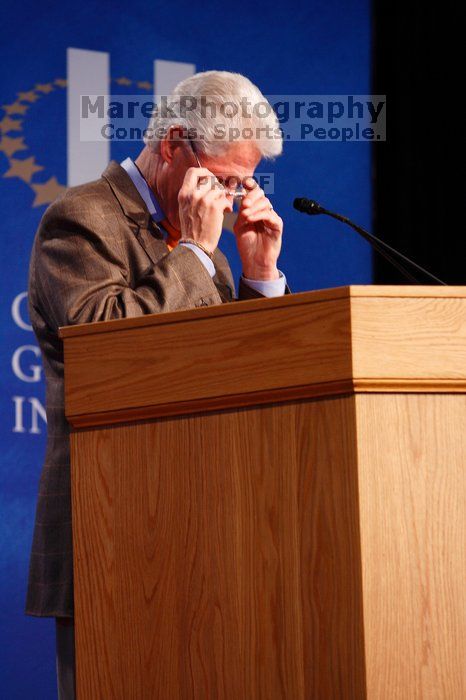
(216, 108)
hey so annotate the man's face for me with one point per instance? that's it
(233, 167)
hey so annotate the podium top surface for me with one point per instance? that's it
(346, 340)
(320, 295)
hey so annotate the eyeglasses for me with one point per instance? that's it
(238, 192)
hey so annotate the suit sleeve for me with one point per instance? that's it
(80, 272)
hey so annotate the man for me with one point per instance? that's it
(142, 239)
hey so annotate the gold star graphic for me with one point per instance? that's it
(44, 87)
(123, 81)
(16, 108)
(10, 146)
(23, 169)
(145, 85)
(8, 124)
(47, 192)
(60, 82)
(28, 96)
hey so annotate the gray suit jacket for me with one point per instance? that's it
(97, 255)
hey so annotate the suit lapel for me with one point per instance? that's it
(133, 206)
(152, 240)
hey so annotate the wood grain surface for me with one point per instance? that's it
(412, 493)
(200, 359)
(409, 338)
(309, 548)
(319, 344)
(354, 291)
(217, 556)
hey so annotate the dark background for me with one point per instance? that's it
(419, 189)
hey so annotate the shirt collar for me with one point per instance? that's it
(144, 190)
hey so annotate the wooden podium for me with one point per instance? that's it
(269, 498)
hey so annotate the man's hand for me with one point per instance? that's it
(258, 230)
(201, 207)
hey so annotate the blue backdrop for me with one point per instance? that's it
(320, 47)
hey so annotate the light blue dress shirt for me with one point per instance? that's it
(269, 288)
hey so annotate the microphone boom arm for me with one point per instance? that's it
(309, 206)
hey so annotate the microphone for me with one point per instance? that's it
(311, 207)
(308, 206)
